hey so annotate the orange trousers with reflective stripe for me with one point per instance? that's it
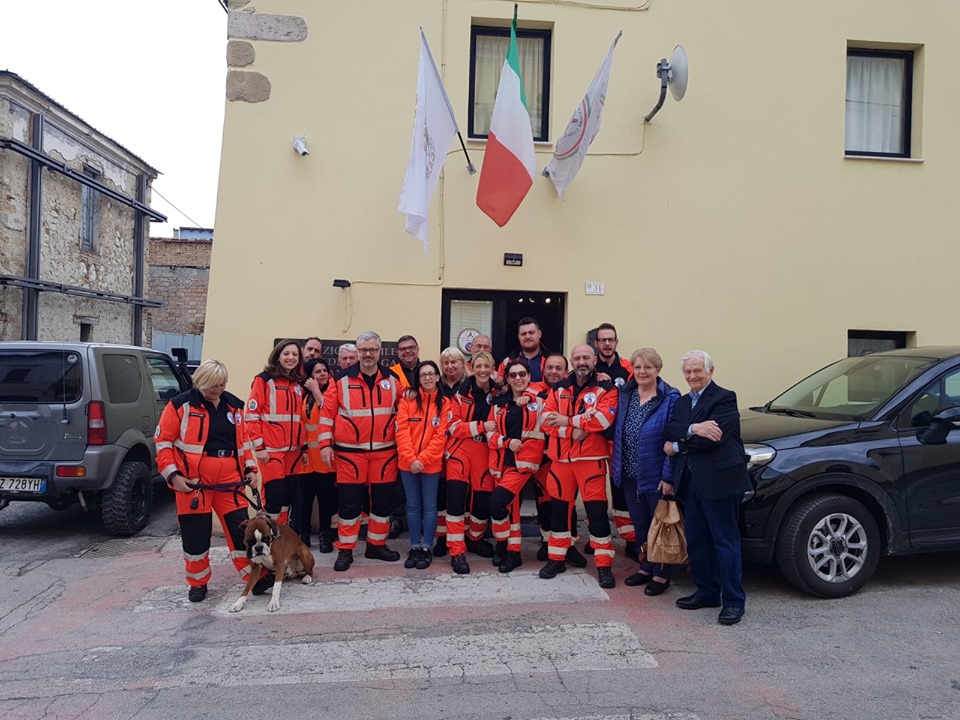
(363, 474)
(505, 507)
(563, 481)
(468, 465)
(196, 525)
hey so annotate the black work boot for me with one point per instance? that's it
(500, 552)
(552, 569)
(344, 560)
(440, 549)
(197, 594)
(381, 552)
(264, 583)
(605, 578)
(511, 563)
(460, 564)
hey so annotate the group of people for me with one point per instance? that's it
(453, 445)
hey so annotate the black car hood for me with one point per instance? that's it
(784, 431)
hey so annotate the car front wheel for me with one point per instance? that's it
(126, 504)
(829, 545)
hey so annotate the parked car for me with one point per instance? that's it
(77, 423)
(858, 460)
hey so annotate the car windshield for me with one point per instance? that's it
(45, 376)
(849, 389)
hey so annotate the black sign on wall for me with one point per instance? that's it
(388, 350)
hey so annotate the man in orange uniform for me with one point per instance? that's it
(613, 368)
(358, 433)
(579, 416)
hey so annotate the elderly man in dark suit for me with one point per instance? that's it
(712, 472)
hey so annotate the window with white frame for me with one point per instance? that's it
(488, 48)
(879, 96)
(90, 213)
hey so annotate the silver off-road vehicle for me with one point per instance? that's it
(77, 423)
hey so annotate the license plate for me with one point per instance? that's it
(17, 484)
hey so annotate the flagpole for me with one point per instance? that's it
(470, 166)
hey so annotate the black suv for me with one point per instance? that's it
(860, 459)
(77, 423)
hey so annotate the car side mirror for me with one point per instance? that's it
(940, 426)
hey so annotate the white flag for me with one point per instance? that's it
(583, 127)
(433, 131)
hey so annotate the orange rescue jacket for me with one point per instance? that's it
(182, 433)
(274, 414)
(592, 408)
(421, 434)
(355, 418)
(530, 455)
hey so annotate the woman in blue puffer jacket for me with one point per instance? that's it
(639, 464)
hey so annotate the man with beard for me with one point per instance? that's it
(578, 418)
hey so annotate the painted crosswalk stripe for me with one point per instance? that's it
(338, 594)
(538, 649)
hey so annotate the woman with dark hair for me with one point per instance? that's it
(421, 435)
(518, 444)
(319, 482)
(275, 425)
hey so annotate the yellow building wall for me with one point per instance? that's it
(732, 222)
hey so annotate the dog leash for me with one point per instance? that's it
(237, 488)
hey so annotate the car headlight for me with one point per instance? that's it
(758, 455)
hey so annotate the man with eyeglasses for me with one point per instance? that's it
(408, 354)
(358, 435)
(613, 368)
(579, 418)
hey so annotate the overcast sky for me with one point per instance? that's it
(150, 75)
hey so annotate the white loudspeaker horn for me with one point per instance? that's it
(673, 75)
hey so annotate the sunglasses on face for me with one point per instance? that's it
(521, 374)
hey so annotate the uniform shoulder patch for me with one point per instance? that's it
(252, 404)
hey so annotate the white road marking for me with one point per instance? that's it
(345, 594)
(543, 649)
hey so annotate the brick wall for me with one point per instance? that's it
(177, 275)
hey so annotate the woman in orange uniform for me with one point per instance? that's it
(275, 424)
(201, 439)
(518, 445)
(320, 482)
(421, 435)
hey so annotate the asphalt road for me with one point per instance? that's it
(97, 628)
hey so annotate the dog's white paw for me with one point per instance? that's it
(238, 605)
(307, 579)
(273, 606)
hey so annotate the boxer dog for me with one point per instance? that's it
(273, 547)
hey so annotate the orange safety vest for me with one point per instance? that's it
(421, 434)
(311, 425)
(592, 408)
(183, 429)
(355, 418)
(274, 413)
(531, 435)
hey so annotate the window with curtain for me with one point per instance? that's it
(488, 48)
(879, 90)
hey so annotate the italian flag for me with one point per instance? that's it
(509, 161)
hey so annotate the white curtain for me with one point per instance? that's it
(874, 109)
(491, 50)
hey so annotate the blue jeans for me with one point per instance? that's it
(421, 490)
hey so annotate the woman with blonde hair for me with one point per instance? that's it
(202, 440)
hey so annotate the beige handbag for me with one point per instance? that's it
(666, 541)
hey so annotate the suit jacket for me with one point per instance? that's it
(711, 469)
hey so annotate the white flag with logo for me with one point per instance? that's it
(433, 130)
(583, 127)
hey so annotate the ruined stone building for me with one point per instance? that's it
(74, 208)
(178, 270)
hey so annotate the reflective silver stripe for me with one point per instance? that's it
(454, 519)
(195, 558)
(563, 431)
(200, 575)
(364, 412)
(368, 446)
(250, 464)
(251, 416)
(283, 449)
(326, 421)
(187, 447)
(238, 554)
(536, 435)
(348, 538)
(604, 420)
(164, 445)
(454, 537)
(168, 471)
(522, 465)
(601, 540)
(272, 387)
(277, 417)
(313, 444)
(578, 459)
(561, 535)
(376, 536)
(377, 518)
(246, 446)
(311, 427)
(257, 443)
(476, 428)
(325, 436)
(184, 420)
(603, 551)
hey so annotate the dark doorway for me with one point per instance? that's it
(497, 312)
